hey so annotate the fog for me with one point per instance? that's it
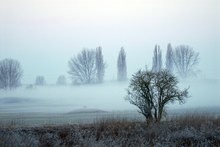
(108, 97)
(99, 97)
(44, 35)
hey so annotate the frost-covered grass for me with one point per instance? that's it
(64, 116)
(185, 130)
(74, 117)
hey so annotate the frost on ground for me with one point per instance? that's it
(187, 130)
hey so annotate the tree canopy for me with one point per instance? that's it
(10, 74)
(152, 91)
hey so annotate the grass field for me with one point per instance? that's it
(185, 130)
(99, 116)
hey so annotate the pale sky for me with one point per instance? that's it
(44, 34)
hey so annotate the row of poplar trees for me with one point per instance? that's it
(181, 60)
(89, 66)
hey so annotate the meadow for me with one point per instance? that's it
(98, 115)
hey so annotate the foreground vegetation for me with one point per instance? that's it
(189, 130)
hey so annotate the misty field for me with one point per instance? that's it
(109, 73)
(86, 103)
(98, 115)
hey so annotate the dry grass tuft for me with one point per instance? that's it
(187, 130)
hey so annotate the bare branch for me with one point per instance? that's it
(10, 74)
(152, 91)
(185, 59)
(82, 67)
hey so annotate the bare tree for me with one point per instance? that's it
(185, 60)
(10, 74)
(61, 80)
(100, 66)
(169, 58)
(152, 91)
(122, 66)
(157, 59)
(82, 67)
(40, 81)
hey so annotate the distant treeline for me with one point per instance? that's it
(89, 67)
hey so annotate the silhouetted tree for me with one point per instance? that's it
(40, 81)
(61, 80)
(10, 74)
(157, 59)
(185, 59)
(169, 58)
(152, 91)
(122, 66)
(100, 66)
(82, 67)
